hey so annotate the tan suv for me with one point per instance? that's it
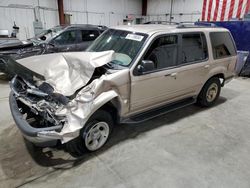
(128, 75)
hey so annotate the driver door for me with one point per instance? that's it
(154, 87)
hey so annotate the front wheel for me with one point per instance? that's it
(93, 135)
(210, 92)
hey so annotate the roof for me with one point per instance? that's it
(155, 28)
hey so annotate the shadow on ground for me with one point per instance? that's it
(18, 166)
(4, 78)
(121, 132)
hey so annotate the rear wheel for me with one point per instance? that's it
(94, 134)
(210, 92)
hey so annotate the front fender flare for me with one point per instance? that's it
(78, 116)
(102, 99)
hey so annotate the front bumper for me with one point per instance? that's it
(31, 133)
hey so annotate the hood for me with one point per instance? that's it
(67, 72)
(15, 45)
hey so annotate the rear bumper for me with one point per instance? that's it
(30, 133)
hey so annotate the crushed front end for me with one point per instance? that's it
(34, 111)
(53, 96)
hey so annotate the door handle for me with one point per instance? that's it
(171, 75)
(206, 66)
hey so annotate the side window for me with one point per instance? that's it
(194, 47)
(68, 37)
(89, 35)
(163, 52)
(222, 45)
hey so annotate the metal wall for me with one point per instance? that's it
(106, 12)
(101, 12)
(183, 10)
(23, 18)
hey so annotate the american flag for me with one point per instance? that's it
(224, 10)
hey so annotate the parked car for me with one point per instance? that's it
(128, 75)
(65, 38)
(7, 42)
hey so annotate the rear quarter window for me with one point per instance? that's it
(222, 45)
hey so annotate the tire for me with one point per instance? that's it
(97, 129)
(210, 92)
(7, 77)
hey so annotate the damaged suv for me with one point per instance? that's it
(128, 75)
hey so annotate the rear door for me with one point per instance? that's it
(194, 64)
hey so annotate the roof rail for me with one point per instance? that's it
(162, 22)
(187, 24)
(195, 25)
(207, 24)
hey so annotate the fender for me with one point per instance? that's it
(77, 118)
(102, 99)
(215, 71)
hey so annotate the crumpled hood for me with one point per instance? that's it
(67, 72)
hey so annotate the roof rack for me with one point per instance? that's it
(184, 24)
(195, 25)
(162, 22)
(207, 24)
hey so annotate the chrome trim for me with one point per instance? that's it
(12, 83)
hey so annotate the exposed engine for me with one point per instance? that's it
(38, 104)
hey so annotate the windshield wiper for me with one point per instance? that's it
(110, 65)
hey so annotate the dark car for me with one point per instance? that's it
(65, 38)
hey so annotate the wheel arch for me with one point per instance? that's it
(218, 75)
(113, 107)
(109, 101)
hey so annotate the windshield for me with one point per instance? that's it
(126, 45)
(47, 34)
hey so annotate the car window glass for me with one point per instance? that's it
(194, 48)
(68, 37)
(125, 44)
(89, 35)
(163, 52)
(222, 45)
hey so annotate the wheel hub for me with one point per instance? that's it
(97, 136)
(212, 92)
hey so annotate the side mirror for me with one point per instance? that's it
(145, 66)
(43, 38)
(50, 47)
